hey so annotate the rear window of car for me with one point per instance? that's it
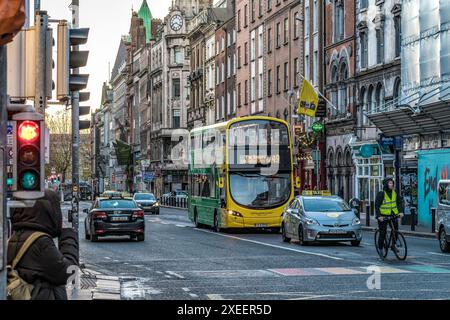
(444, 194)
(144, 196)
(114, 204)
(325, 205)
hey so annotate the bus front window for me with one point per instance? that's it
(254, 190)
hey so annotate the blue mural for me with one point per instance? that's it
(433, 166)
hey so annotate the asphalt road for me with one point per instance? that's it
(180, 262)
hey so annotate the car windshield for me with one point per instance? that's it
(257, 191)
(116, 204)
(144, 196)
(325, 205)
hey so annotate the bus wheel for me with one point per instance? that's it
(216, 222)
(197, 224)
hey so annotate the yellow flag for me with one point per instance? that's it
(309, 100)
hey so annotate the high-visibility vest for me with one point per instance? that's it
(389, 204)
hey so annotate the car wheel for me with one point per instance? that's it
(356, 243)
(94, 238)
(443, 243)
(301, 236)
(283, 234)
(197, 224)
(86, 234)
(140, 237)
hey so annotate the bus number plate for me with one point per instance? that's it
(261, 225)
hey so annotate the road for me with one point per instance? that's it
(180, 262)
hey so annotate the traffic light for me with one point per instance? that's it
(71, 59)
(28, 155)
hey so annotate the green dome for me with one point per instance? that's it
(145, 14)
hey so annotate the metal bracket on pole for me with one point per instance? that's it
(16, 107)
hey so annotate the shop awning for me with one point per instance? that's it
(403, 121)
(370, 148)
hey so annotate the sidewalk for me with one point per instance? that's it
(95, 286)
(420, 231)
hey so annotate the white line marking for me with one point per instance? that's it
(108, 258)
(167, 276)
(159, 272)
(175, 274)
(273, 246)
(193, 295)
(439, 254)
(215, 297)
(181, 226)
(186, 289)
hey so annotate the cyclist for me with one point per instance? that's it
(387, 203)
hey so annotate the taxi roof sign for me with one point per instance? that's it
(316, 193)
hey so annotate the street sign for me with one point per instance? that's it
(318, 127)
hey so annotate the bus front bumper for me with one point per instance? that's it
(253, 222)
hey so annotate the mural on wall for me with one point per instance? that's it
(434, 166)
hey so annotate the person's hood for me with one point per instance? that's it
(45, 216)
(385, 184)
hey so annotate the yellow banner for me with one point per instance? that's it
(309, 100)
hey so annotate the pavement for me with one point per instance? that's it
(180, 262)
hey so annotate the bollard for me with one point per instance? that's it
(413, 219)
(433, 220)
(368, 215)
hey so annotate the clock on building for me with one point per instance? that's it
(176, 22)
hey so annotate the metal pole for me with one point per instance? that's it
(37, 5)
(41, 24)
(3, 213)
(75, 136)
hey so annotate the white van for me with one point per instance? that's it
(443, 215)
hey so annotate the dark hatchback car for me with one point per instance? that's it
(114, 217)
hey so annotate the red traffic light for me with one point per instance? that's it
(29, 131)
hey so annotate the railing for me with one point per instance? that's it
(176, 202)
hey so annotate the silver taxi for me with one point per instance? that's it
(319, 216)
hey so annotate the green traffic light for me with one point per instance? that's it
(9, 182)
(29, 180)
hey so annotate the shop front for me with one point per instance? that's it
(373, 162)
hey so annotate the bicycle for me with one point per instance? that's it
(395, 241)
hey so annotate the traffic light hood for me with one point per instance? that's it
(45, 216)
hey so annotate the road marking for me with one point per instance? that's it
(215, 297)
(193, 295)
(175, 274)
(273, 246)
(439, 254)
(186, 289)
(108, 258)
(167, 276)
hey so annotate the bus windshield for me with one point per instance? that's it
(254, 190)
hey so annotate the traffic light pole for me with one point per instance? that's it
(3, 213)
(75, 136)
(41, 25)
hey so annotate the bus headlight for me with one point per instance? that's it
(234, 214)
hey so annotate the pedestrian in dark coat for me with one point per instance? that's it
(44, 265)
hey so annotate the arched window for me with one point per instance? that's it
(379, 97)
(370, 99)
(362, 110)
(334, 93)
(343, 93)
(339, 19)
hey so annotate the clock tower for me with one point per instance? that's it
(190, 8)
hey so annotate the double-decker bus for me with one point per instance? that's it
(240, 173)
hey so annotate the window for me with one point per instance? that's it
(343, 91)
(253, 10)
(306, 21)
(278, 80)
(296, 25)
(246, 53)
(364, 4)
(269, 83)
(234, 101)
(261, 86)
(269, 5)
(307, 68)
(176, 88)
(223, 72)
(245, 16)
(176, 119)
(286, 30)
(316, 68)
(217, 75)
(253, 46)
(223, 107)
(397, 92)
(239, 61)
(234, 63)
(315, 17)
(229, 38)
(269, 40)
(229, 66)
(178, 55)
(239, 19)
(239, 95)
(278, 35)
(398, 35)
(246, 92)
(261, 8)
(217, 108)
(222, 44)
(253, 89)
(380, 46)
(260, 42)
(228, 103)
(339, 21)
(363, 37)
(296, 72)
(286, 76)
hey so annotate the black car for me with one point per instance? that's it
(114, 217)
(147, 201)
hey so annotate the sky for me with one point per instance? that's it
(108, 20)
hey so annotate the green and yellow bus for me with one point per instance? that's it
(240, 173)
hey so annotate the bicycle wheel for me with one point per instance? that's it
(400, 245)
(384, 251)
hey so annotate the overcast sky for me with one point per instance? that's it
(107, 20)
